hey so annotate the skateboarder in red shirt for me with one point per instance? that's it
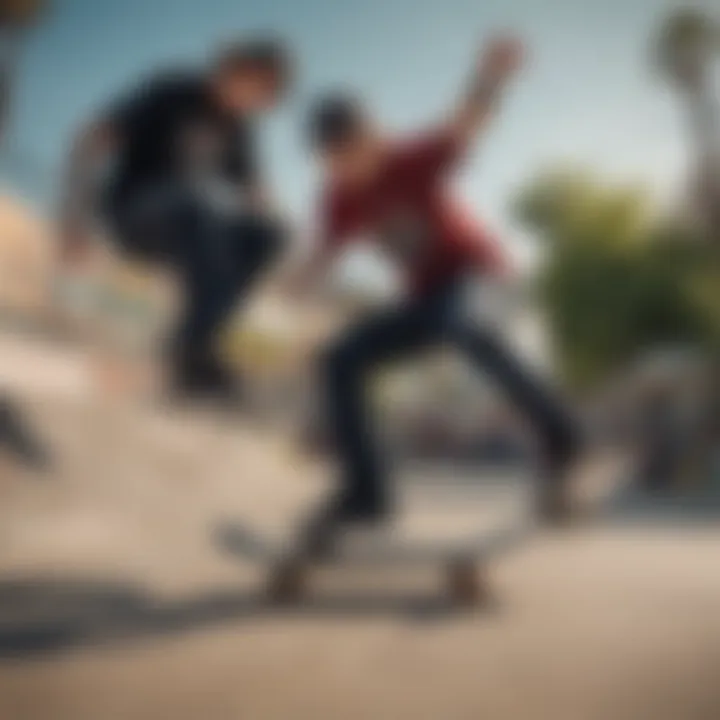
(398, 193)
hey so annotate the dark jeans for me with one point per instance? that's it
(218, 259)
(439, 318)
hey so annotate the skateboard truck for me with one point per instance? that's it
(466, 582)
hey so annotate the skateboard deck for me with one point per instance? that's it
(242, 541)
(463, 562)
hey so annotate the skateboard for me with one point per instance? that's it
(464, 563)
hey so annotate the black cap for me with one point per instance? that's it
(334, 119)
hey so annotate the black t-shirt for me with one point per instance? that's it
(172, 128)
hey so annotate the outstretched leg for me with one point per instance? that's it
(553, 424)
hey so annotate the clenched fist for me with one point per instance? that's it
(501, 57)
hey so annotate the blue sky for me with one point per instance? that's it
(588, 95)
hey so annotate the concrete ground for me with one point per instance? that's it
(116, 604)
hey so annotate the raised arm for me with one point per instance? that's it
(499, 60)
(97, 142)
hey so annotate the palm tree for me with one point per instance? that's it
(686, 48)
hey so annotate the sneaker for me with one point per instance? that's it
(555, 496)
(208, 380)
(326, 526)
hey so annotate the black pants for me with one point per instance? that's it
(218, 258)
(403, 331)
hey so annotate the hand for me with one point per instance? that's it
(260, 201)
(295, 287)
(501, 58)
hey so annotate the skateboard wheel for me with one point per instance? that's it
(287, 583)
(465, 583)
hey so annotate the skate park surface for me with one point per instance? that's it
(115, 603)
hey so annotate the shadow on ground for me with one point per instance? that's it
(40, 616)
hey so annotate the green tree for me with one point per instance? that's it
(615, 281)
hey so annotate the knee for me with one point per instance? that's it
(267, 237)
(272, 240)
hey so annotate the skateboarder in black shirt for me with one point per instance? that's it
(185, 190)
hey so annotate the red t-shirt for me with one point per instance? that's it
(408, 209)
